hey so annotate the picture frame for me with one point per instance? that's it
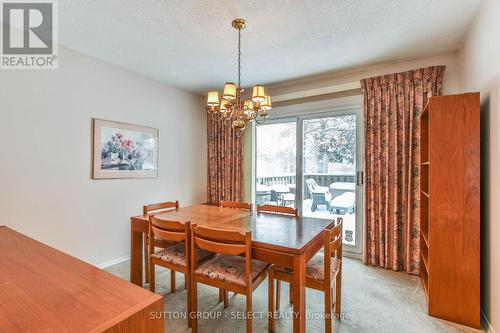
(122, 150)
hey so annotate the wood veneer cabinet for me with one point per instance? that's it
(450, 214)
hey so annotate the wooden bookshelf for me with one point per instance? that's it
(449, 208)
(424, 200)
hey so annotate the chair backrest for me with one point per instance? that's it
(146, 209)
(311, 184)
(333, 245)
(221, 241)
(277, 210)
(169, 230)
(274, 196)
(235, 204)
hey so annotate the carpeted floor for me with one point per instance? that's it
(374, 300)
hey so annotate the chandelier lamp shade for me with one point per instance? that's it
(230, 106)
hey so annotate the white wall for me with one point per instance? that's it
(46, 190)
(479, 59)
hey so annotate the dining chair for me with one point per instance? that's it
(156, 208)
(272, 209)
(284, 210)
(235, 204)
(176, 257)
(223, 296)
(330, 261)
(160, 206)
(232, 269)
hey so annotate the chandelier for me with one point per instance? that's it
(230, 106)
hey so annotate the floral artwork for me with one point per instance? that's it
(121, 153)
(124, 150)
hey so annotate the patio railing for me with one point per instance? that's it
(321, 179)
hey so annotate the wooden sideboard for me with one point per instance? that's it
(45, 290)
(450, 211)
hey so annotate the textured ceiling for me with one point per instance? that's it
(191, 44)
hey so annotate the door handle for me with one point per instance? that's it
(359, 178)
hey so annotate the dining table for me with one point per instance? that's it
(283, 240)
(45, 290)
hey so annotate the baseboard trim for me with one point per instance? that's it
(352, 255)
(112, 262)
(486, 323)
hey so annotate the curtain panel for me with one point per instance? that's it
(225, 163)
(393, 105)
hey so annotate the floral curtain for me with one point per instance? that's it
(225, 163)
(392, 107)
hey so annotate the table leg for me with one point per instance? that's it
(136, 246)
(299, 293)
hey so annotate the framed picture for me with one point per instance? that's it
(124, 150)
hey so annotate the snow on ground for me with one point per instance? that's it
(349, 220)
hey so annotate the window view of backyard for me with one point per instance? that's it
(276, 153)
(328, 170)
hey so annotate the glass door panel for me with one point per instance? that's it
(329, 160)
(276, 164)
(314, 163)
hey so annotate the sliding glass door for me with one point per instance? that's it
(331, 171)
(314, 163)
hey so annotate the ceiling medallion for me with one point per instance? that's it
(231, 107)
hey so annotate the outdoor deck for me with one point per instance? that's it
(281, 190)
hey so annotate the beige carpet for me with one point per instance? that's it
(374, 300)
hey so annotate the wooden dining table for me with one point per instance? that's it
(276, 239)
(45, 290)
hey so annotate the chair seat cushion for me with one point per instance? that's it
(230, 269)
(315, 268)
(177, 255)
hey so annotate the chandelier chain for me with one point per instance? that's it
(239, 58)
